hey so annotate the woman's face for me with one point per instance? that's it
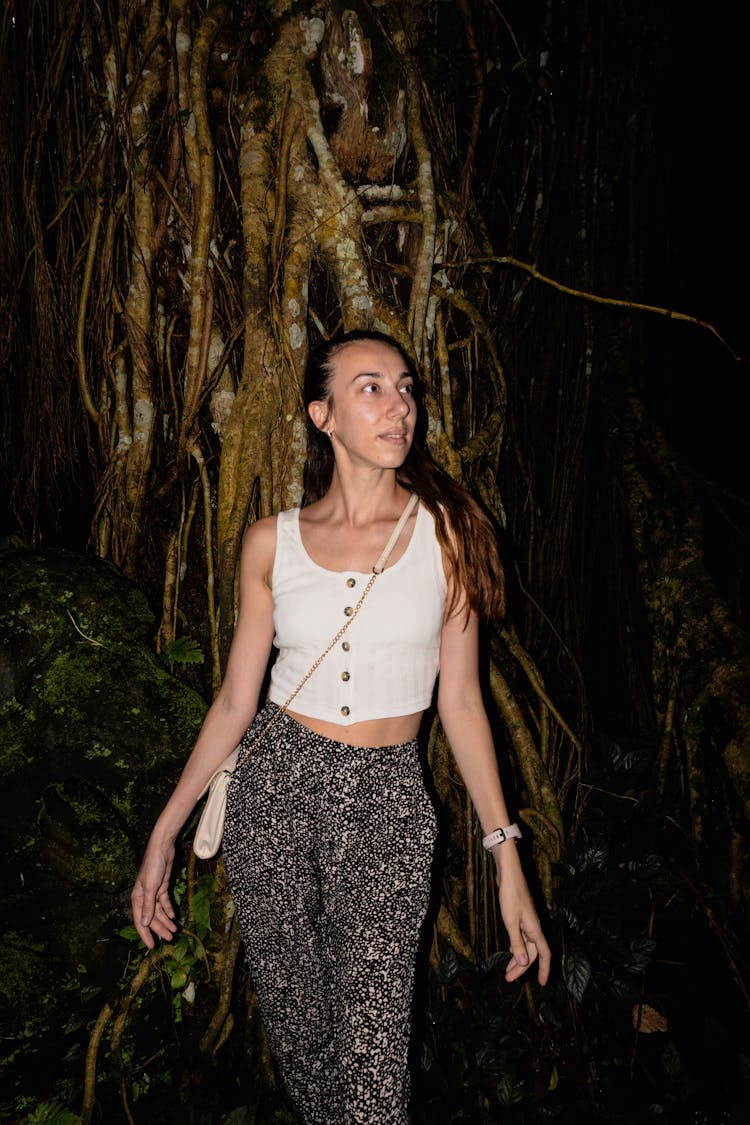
(370, 409)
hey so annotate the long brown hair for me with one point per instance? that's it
(464, 531)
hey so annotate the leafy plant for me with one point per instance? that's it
(182, 650)
(609, 1041)
(52, 1113)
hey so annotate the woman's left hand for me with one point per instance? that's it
(527, 941)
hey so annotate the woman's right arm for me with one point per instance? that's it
(226, 721)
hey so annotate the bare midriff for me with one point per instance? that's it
(372, 732)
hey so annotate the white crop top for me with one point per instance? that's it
(387, 661)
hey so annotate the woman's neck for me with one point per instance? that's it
(359, 499)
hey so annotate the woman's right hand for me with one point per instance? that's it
(153, 912)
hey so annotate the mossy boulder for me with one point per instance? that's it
(93, 733)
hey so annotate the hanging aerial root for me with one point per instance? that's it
(89, 1081)
(83, 380)
(538, 785)
(208, 526)
(219, 1028)
(534, 676)
(447, 928)
(146, 967)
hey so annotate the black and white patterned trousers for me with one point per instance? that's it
(328, 849)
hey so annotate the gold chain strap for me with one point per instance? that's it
(376, 570)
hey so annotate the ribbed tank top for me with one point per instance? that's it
(387, 661)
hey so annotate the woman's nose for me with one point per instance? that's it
(399, 404)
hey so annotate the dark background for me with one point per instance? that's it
(701, 391)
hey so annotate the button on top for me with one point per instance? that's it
(345, 645)
(345, 676)
(348, 611)
(344, 711)
(351, 582)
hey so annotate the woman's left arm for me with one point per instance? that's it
(464, 719)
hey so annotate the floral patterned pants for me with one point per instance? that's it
(328, 848)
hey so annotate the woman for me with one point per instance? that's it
(329, 833)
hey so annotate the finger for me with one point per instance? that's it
(164, 902)
(164, 919)
(519, 950)
(141, 919)
(163, 929)
(534, 938)
(520, 956)
(157, 924)
(535, 948)
(144, 908)
(144, 933)
(545, 960)
(519, 962)
(138, 906)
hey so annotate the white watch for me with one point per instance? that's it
(500, 835)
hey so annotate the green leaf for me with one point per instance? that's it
(577, 973)
(646, 867)
(671, 1061)
(641, 954)
(178, 980)
(52, 1113)
(181, 947)
(74, 1022)
(201, 905)
(448, 967)
(499, 957)
(183, 650)
(594, 858)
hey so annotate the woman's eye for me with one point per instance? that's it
(370, 387)
(407, 389)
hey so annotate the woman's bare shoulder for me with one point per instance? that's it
(259, 543)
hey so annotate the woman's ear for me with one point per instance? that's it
(318, 411)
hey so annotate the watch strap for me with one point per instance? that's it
(500, 835)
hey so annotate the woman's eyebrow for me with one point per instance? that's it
(379, 375)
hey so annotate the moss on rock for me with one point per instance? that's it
(94, 731)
